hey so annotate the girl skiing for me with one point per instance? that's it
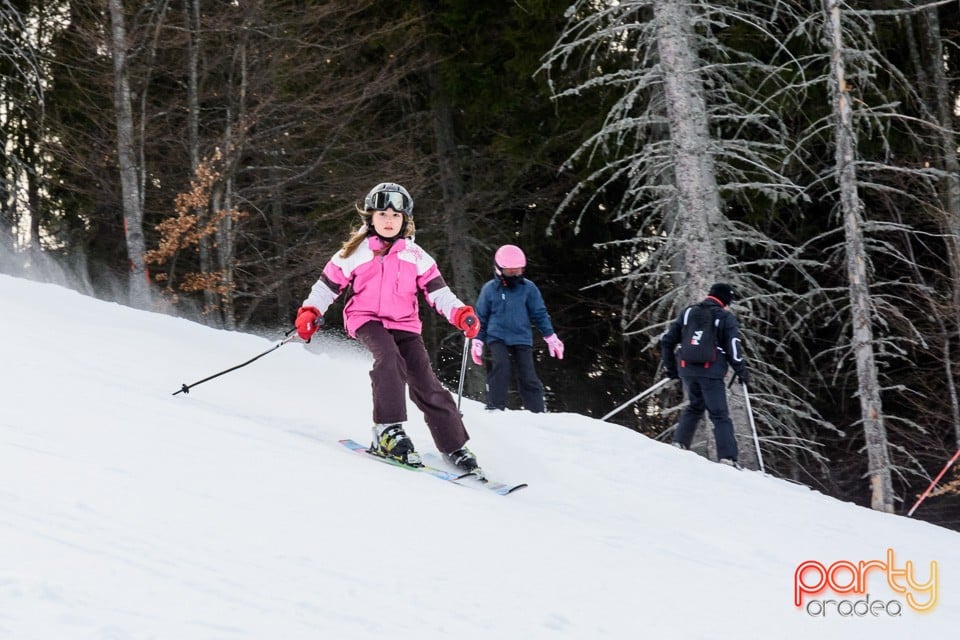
(381, 269)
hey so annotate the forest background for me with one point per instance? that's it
(205, 159)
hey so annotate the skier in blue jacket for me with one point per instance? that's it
(506, 306)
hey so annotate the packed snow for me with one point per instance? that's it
(234, 513)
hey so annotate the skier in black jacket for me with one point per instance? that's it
(703, 381)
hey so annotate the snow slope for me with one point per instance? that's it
(233, 512)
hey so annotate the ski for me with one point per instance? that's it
(432, 471)
(499, 488)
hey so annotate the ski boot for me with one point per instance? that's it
(464, 460)
(391, 441)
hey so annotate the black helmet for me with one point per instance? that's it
(389, 194)
(722, 292)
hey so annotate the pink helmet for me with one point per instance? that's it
(510, 257)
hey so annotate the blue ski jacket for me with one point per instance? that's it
(506, 313)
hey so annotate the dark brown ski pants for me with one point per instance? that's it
(400, 359)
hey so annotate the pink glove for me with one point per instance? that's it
(554, 346)
(476, 350)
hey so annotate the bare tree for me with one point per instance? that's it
(194, 35)
(881, 194)
(132, 200)
(25, 30)
(851, 207)
(933, 69)
(289, 110)
(692, 134)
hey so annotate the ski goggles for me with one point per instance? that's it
(397, 201)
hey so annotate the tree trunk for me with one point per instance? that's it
(698, 206)
(463, 280)
(452, 190)
(696, 187)
(281, 244)
(949, 186)
(8, 226)
(191, 12)
(28, 154)
(126, 154)
(233, 141)
(878, 456)
(226, 240)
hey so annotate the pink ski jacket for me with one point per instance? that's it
(383, 287)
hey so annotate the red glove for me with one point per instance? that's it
(467, 321)
(307, 322)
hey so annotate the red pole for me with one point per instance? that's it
(933, 484)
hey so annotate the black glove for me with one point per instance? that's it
(744, 377)
(670, 372)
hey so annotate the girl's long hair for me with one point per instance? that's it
(358, 236)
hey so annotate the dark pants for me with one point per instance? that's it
(498, 378)
(399, 360)
(707, 394)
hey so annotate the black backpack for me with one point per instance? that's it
(698, 342)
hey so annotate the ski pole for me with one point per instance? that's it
(463, 365)
(933, 484)
(639, 396)
(753, 426)
(185, 389)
